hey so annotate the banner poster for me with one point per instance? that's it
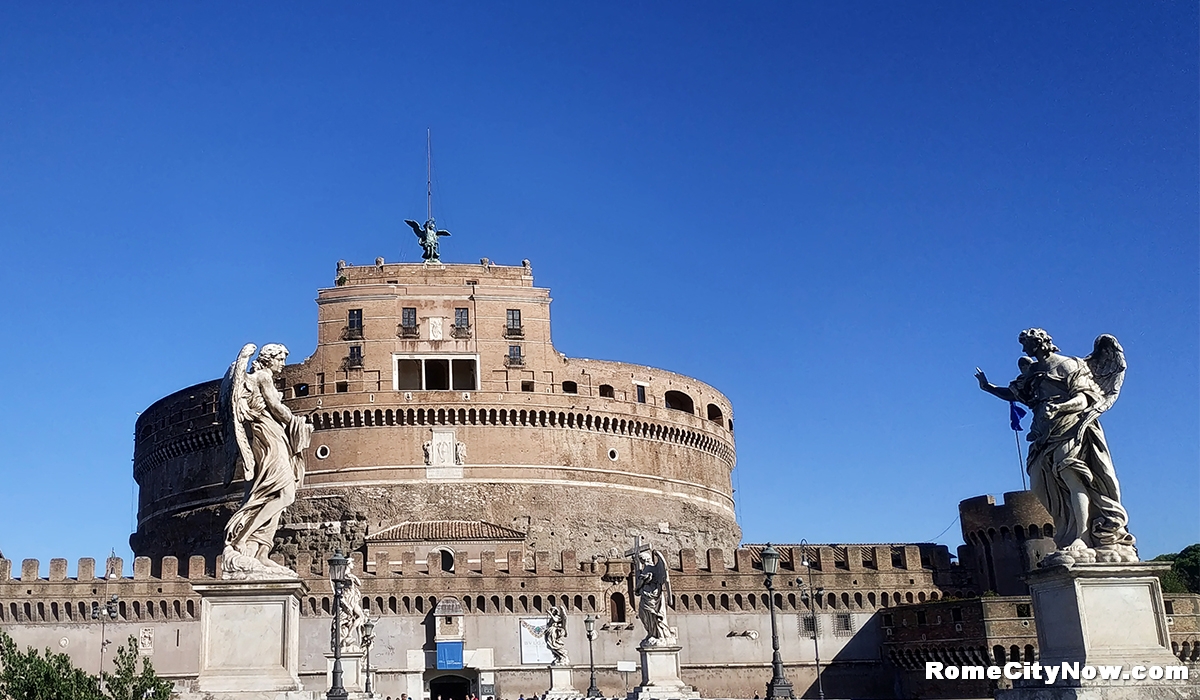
(533, 647)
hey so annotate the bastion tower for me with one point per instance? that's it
(445, 418)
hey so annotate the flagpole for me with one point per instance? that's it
(1020, 462)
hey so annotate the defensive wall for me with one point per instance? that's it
(1004, 541)
(719, 604)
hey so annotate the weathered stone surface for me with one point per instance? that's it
(250, 636)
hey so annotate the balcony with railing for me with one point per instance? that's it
(514, 331)
(514, 361)
(461, 332)
(413, 331)
(352, 333)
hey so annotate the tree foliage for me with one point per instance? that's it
(1184, 576)
(29, 675)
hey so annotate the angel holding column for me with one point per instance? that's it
(1070, 468)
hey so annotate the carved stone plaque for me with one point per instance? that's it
(440, 463)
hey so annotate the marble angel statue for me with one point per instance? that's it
(652, 586)
(265, 446)
(1070, 468)
(555, 636)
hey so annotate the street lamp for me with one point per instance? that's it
(779, 687)
(589, 624)
(337, 576)
(109, 612)
(816, 596)
(368, 638)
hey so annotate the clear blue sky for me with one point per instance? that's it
(830, 211)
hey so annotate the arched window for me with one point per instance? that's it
(616, 607)
(570, 388)
(606, 391)
(679, 401)
(715, 415)
(447, 561)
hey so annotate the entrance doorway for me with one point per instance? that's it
(449, 688)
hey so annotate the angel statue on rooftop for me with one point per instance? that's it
(265, 445)
(1070, 468)
(428, 235)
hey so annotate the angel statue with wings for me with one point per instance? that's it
(265, 445)
(652, 586)
(429, 235)
(555, 636)
(1069, 465)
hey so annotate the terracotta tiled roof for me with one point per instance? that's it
(446, 530)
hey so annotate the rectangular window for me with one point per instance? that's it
(513, 320)
(842, 624)
(320, 382)
(921, 621)
(408, 317)
(526, 386)
(356, 353)
(810, 624)
(464, 375)
(1023, 610)
(437, 375)
(514, 354)
(408, 375)
(342, 387)
(956, 614)
(887, 620)
(641, 393)
(355, 320)
(462, 318)
(1169, 607)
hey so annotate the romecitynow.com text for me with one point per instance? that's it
(1015, 670)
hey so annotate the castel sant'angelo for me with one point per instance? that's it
(477, 477)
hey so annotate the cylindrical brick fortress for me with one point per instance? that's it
(437, 396)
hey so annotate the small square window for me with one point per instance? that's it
(343, 387)
(1023, 610)
(570, 388)
(641, 393)
(526, 386)
(408, 317)
(356, 352)
(843, 623)
(810, 624)
(514, 352)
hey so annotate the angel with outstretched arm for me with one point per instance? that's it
(428, 235)
(1070, 468)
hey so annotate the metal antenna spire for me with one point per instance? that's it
(429, 171)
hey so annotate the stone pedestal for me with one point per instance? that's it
(354, 671)
(249, 637)
(660, 676)
(1101, 614)
(560, 685)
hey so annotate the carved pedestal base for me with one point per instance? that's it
(560, 685)
(660, 676)
(1101, 614)
(354, 671)
(250, 638)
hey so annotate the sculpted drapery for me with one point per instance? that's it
(265, 444)
(1070, 468)
(652, 585)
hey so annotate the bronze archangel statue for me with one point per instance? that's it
(265, 444)
(1070, 468)
(428, 235)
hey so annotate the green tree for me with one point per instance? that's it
(1184, 576)
(126, 683)
(30, 676)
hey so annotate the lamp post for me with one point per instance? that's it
(589, 624)
(337, 576)
(779, 687)
(109, 612)
(368, 638)
(816, 596)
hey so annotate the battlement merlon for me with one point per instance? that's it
(825, 559)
